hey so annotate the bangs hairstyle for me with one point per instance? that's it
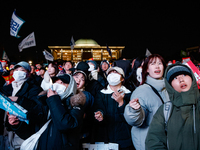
(147, 61)
(55, 66)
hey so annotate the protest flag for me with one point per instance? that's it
(29, 41)
(48, 55)
(109, 51)
(148, 53)
(15, 25)
(72, 43)
(5, 57)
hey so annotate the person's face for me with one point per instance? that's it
(104, 66)
(32, 69)
(41, 72)
(51, 70)
(80, 80)
(114, 71)
(67, 66)
(11, 66)
(91, 65)
(21, 69)
(182, 83)
(155, 68)
(60, 82)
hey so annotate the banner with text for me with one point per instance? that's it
(29, 41)
(15, 25)
(48, 55)
(13, 108)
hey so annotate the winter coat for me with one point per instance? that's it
(27, 98)
(183, 127)
(140, 119)
(88, 120)
(113, 128)
(93, 86)
(63, 131)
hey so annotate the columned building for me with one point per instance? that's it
(85, 49)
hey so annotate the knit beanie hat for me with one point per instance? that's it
(177, 70)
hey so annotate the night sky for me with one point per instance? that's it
(164, 28)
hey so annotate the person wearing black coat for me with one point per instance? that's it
(24, 92)
(64, 106)
(109, 106)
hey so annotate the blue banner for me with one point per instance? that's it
(13, 108)
(15, 25)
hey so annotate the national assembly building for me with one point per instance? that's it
(85, 49)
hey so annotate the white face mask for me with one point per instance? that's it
(114, 79)
(59, 88)
(139, 74)
(19, 75)
(91, 67)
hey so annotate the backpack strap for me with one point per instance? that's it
(153, 88)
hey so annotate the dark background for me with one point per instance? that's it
(162, 27)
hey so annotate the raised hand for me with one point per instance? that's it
(98, 115)
(134, 103)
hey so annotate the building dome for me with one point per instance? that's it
(86, 42)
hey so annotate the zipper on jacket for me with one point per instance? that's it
(194, 118)
(51, 131)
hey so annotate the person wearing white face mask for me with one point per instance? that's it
(109, 106)
(65, 109)
(23, 91)
(94, 72)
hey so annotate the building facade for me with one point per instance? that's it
(85, 49)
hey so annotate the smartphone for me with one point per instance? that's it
(121, 91)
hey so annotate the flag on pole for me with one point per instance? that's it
(109, 51)
(48, 55)
(5, 57)
(148, 53)
(29, 41)
(15, 25)
(72, 43)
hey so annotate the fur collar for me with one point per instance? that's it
(109, 91)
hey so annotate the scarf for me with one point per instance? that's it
(17, 86)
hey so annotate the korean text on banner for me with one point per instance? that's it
(48, 55)
(13, 108)
(29, 41)
(195, 70)
(15, 25)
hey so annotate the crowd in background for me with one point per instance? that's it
(91, 102)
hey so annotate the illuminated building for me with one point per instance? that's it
(85, 49)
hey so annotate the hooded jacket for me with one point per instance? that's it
(183, 127)
(63, 131)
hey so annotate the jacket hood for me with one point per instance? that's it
(184, 98)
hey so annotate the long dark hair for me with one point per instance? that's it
(147, 61)
(55, 66)
(133, 77)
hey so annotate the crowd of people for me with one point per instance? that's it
(124, 103)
